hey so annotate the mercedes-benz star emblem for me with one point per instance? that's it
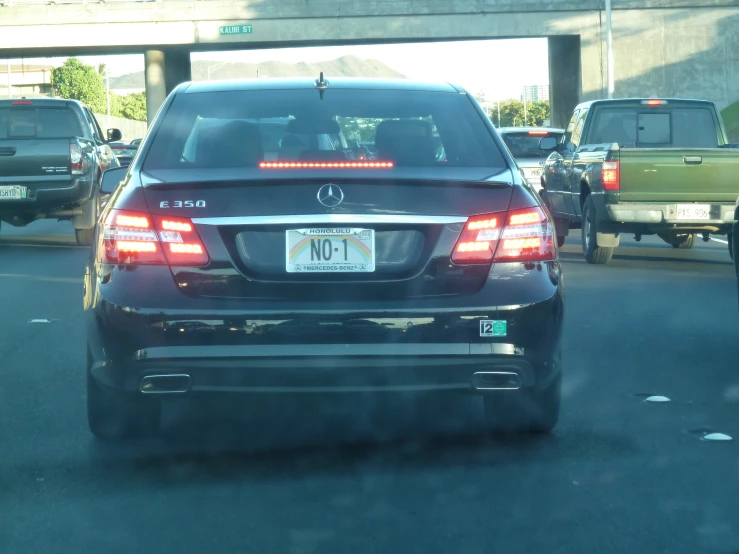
(330, 195)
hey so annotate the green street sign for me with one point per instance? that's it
(235, 30)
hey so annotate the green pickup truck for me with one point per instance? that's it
(642, 167)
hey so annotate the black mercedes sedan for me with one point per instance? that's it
(246, 250)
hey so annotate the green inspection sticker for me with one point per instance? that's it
(493, 328)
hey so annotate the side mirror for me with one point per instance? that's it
(548, 143)
(114, 135)
(112, 178)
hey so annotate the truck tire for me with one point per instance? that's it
(684, 242)
(729, 239)
(560, 241)
(116, 415)
(87, 222)
(524, 411)
(593, 253)
(84, 236)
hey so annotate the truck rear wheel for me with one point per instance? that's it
(84, 236)
(593, 253)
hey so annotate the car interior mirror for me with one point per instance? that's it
(114, 135)
(548, 143)
(112, 178)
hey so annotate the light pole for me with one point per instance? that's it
(609, 49)
(107, 91)
(525, 108)
(10, 95)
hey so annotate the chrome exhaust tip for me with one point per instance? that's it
(496, 380)
(176, 383)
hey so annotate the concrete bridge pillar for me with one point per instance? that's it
(165, 69)
(564, 77)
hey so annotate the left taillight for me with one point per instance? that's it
(75, 159)
(517, 236)
(134, 238)
(610, 175)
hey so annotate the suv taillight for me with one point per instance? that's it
(610, 175)
(135, 238)
(518, 236)
(75, 159)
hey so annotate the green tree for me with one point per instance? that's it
(132, 106)
(512, 113)
(78, 81)
(538, 112)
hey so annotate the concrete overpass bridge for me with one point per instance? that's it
(687, 48)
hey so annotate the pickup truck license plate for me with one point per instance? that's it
(13, 192)
(330, 250)
(693, 211)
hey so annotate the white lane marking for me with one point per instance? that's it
(722, 241)
(716, 437)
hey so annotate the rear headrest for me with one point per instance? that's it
(405, 142)
(234, 144)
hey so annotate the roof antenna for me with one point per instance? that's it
(321, 84)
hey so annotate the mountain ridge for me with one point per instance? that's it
(345, 66)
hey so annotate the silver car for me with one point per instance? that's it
(523, 142)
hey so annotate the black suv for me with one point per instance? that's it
(52, 157)
(226, 262)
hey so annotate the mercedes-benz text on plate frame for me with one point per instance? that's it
(13, 192)
(330, 250)
(693, 211)
(330, 195)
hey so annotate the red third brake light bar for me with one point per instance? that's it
(321, 165)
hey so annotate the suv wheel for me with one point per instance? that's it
(593, 253)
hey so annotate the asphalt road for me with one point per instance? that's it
(401, 475)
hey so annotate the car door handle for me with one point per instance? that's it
(7, 151)
(692, 160)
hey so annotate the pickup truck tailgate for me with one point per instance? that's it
(679, 175)
(33, 158)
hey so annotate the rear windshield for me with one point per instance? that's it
(526, 144)
(243, 128)
(658, 127)
(38, 123)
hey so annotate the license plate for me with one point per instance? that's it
(535, 172)
(13, 192)
(693, 211)
(330, 250)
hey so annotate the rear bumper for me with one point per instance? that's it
(660, 217)
(139, 324)
(48, 196)
(333, 368)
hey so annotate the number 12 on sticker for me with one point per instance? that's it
(493, 328)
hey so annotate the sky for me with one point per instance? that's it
(499, 67)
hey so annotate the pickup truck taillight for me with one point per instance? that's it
(137, 238)
(519, 236)
(610, 175)
(75, 159)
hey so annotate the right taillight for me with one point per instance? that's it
(75, 159)
(519, 236)
(134, 238)
(610, 175)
